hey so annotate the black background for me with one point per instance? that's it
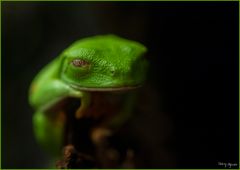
(192, 88)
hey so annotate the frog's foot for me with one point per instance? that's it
(73, 159)
(99, 135)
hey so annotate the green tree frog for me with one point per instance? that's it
(103, 63)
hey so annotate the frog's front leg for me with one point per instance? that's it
(49, 130)
(48, 123)
(85, 102)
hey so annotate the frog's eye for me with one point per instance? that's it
(80, 63)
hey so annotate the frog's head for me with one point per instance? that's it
(104, 63)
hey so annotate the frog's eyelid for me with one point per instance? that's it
(79, 62)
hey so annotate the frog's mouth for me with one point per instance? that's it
(103, 89)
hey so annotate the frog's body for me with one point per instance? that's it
(100, 63)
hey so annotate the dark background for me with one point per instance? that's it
(191, 115)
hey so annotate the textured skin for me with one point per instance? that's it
(103, 63)
(115, 62)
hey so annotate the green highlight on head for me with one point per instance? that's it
(105, 61)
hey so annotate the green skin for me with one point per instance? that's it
(99, 63)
